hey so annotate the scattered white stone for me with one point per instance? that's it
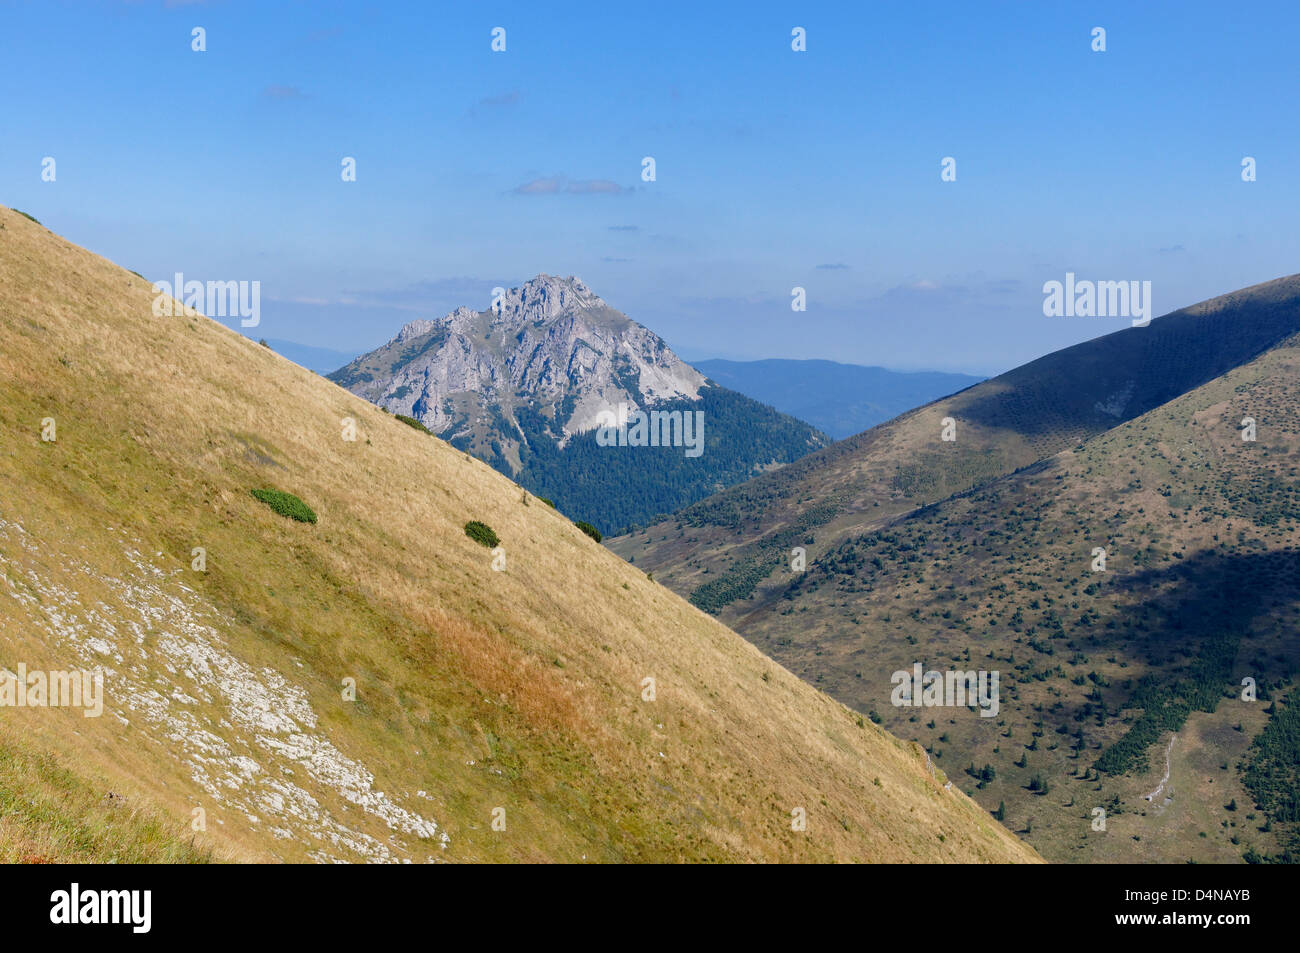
(244, 756)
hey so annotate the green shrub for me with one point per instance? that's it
(549, 503)
(25, 215)
(286, 504)
(481, 533)
(589, 530)
(412, 422)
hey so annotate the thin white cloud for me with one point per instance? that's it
(562, 185)
(283, 92)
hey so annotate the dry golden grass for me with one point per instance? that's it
(518, 689)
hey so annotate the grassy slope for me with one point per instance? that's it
(1202, 532)
(51, 813)
(475, 689)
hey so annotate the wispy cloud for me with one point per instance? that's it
(561, 185)
(504, 99)
(973, 292)
(837, 266)
(1171, 250)
(294, 299)
(496, 103)
(435, 293)
(625, 228)
(283, 92)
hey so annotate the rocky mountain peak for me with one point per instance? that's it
(550, 344)
(545, 298)
(538, 301)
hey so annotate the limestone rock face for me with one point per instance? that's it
(552, 344)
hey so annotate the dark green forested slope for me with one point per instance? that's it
(617, 488)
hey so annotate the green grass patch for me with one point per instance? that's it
(54, 815)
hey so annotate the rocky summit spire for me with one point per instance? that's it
(551, 342)
(545, 298)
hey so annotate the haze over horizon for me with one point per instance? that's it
(1067, 160)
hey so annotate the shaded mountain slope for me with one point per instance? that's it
(726, 552)
(1100, 667)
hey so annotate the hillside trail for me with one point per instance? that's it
(1165, 779)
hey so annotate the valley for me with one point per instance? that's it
(980, 553)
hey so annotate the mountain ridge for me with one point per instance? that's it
(1007, 422)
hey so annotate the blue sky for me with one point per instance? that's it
(775, 169)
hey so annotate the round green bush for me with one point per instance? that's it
(481, 533)
(413, 423)
(286, 504)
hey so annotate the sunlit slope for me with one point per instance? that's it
(730, 552)
(517, 696)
